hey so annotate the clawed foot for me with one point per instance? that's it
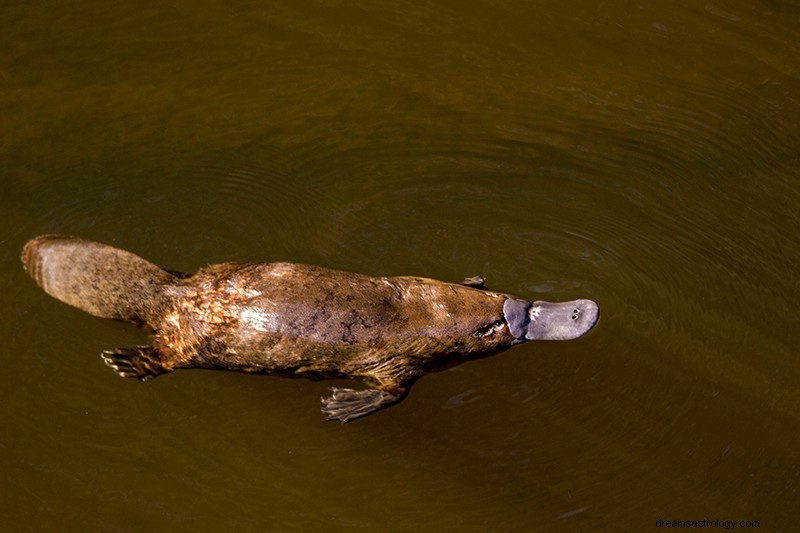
(476, 282)
(140, 362)
(348, 404)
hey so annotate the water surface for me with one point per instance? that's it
(645, 155)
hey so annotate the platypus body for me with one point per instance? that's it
(294, 319)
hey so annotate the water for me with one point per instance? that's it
(643, 155)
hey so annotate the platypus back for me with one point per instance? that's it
(102, 280)
(295, 320)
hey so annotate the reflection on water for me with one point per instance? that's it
(645, 156)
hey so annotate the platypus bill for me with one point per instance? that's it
(295, 320)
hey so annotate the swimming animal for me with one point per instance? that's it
(294, 319)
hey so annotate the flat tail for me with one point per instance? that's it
(99, 279)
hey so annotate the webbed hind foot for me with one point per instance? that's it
(140, 362)
(348, 404)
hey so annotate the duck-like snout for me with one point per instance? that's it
(549, 321)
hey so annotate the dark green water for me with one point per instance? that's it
(645, 155)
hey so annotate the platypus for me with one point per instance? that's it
(295, 319)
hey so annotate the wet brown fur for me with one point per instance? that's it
(277, 318)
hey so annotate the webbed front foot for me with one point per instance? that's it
(177, 273)
(476, 282)
(348, 404)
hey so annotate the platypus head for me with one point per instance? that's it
(549, 321)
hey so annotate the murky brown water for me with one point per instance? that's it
(645, 155)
